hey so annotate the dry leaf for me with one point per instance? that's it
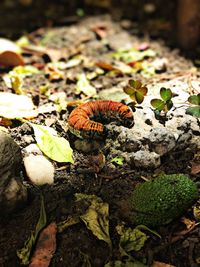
(195, 168)
(45, 247)
(14, 106)
(188, 222)
(161, 264)
(5, 122)
(10, 53)
(53, 54)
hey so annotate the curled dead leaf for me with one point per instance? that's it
(161, 264)
(195, 168)
(10, 53)
(45, 247)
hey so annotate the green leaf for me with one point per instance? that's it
(166, 94)
(158, 104)
(136, 91)
(194, 99)
(129, 90)
(24, 71)
(136, 84)
(16, 84)
(147, 69)
(55, 147)
(139, 96)
(24, 253)
(118, 160)
(169, 105)
(83, 86)
(133, 55)
(96, 217)
(23, 41)
(131, 239)
(194, 111)
(14, 79)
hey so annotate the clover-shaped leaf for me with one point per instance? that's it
(166, 94)
(165, 103)
(194, 111)
(194, 99)
(169, 105)
(136, 91)
(158, 104)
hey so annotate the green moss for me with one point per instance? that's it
(161, 200)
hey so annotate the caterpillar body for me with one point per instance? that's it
(85, 120)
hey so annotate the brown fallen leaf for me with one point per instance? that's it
(188, 223)
(45, 247)
(107, 66)
(52, 53)
(161, 264)
(10, 53)
(10, 58)
(195, 168)
(5, 122)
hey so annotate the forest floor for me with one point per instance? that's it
(80, 63)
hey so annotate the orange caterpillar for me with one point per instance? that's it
(81, 119)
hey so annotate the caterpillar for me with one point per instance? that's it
(85, 120)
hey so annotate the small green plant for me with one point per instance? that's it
(195, 109)
(136, 91)
(163, 105)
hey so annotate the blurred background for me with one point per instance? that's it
(176, 21)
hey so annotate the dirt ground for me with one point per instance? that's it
(112, 183)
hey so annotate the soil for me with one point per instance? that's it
(112, 183)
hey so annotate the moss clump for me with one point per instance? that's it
(161, 200)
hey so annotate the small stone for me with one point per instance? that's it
(39, 169)
(161, 140)
(13, 194)
(10, 154)
(144, 159)
(32, 149)
(129, 142)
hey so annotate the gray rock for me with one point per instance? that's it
(12, 195)
(144, 159)
(161, 140)
(129, 142)
(12, 191)
(10, 155)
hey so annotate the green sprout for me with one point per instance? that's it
(164, 104)
(136, 91)
(195, 109)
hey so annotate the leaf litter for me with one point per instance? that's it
(128, 62)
